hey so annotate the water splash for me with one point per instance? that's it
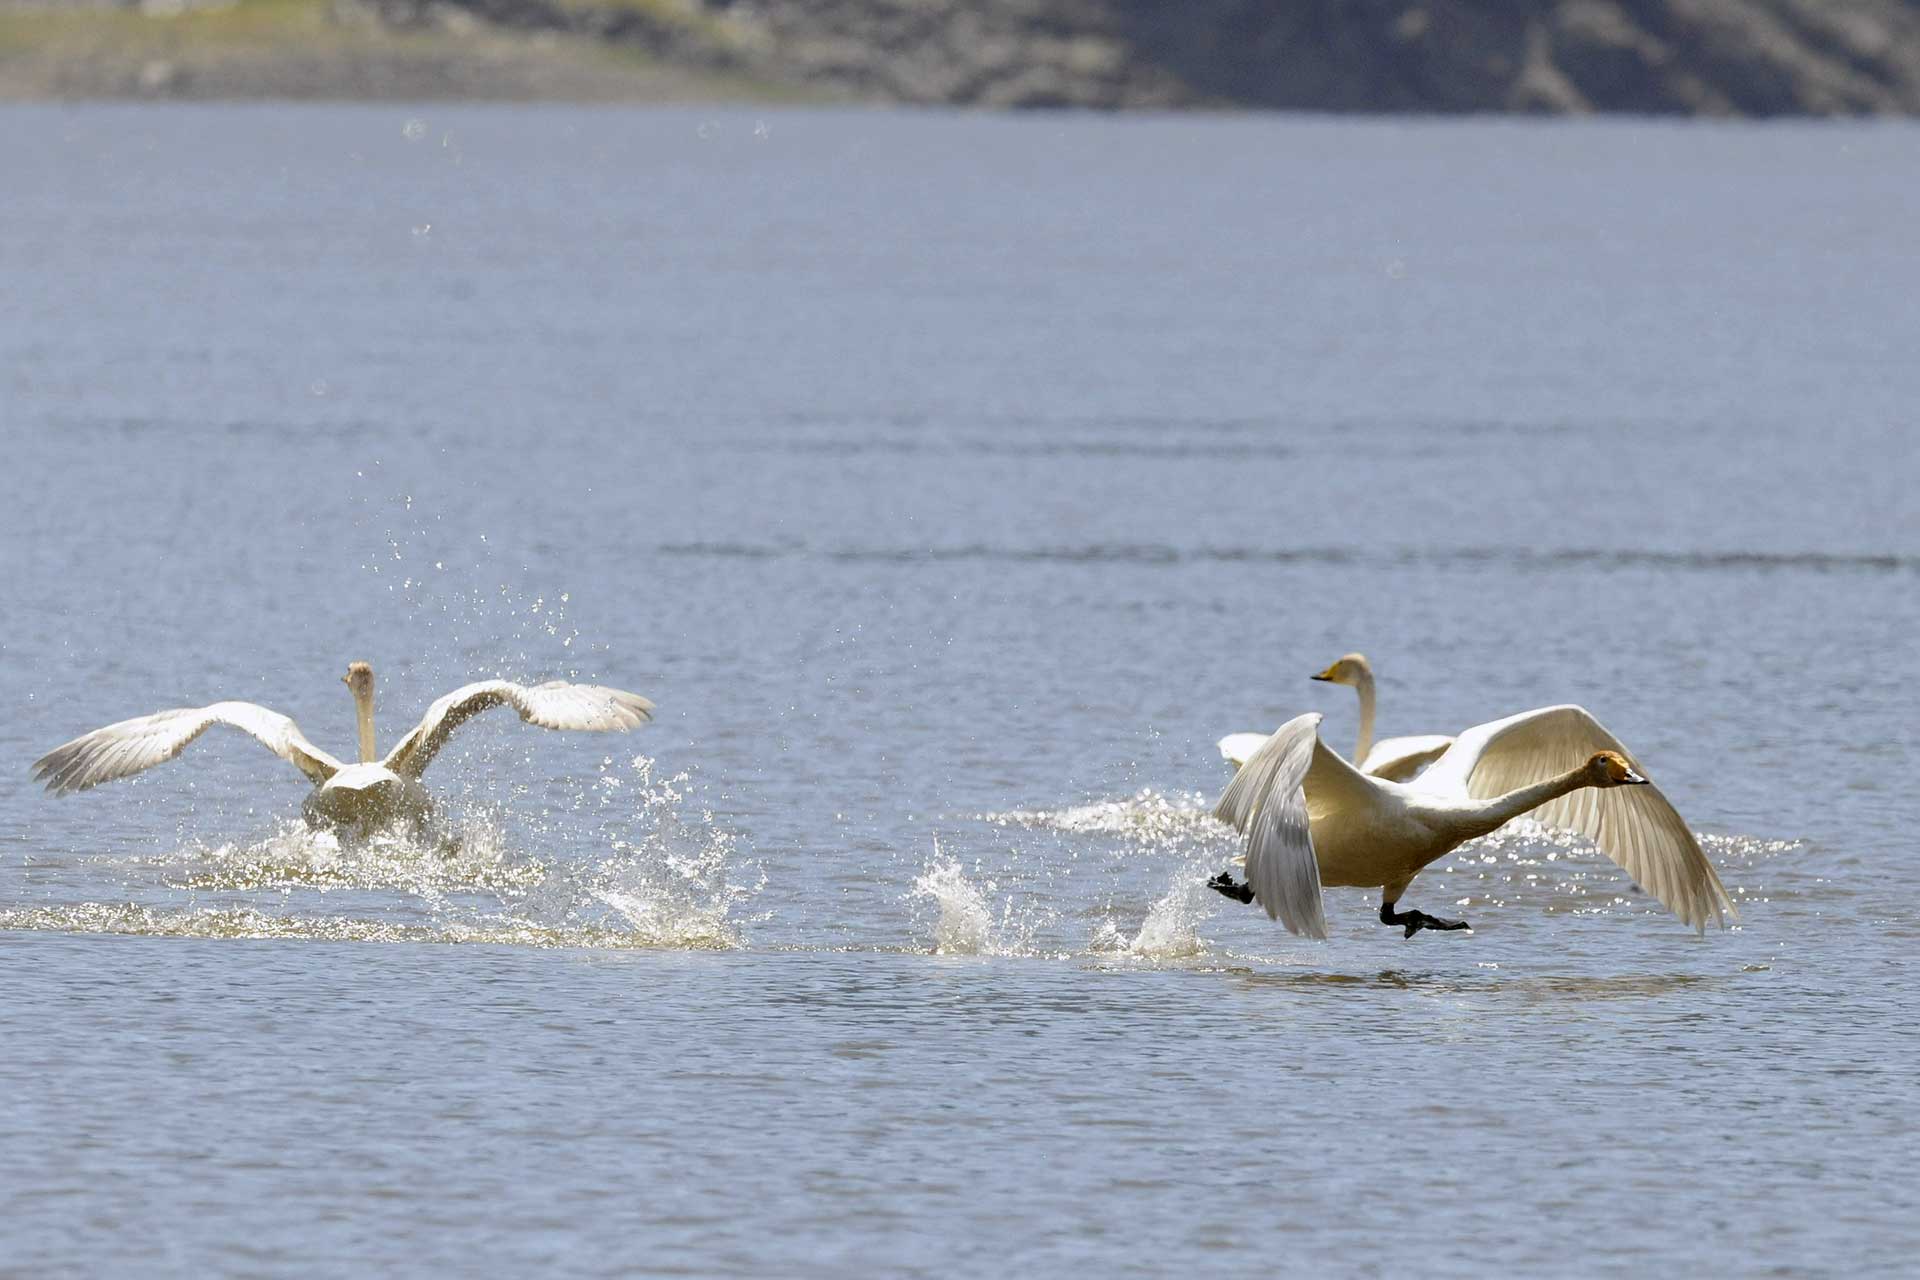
(470, 605)
(966, 922)
(1168, 931)
(681, 870)
(657, 870)
(1148, 816)
(249, 922)
(1142, 834)
(471, 854)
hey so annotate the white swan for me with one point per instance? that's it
(1311, 818)
(1395, 758)
(369, 794)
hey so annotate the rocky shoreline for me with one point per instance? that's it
(1662, 57)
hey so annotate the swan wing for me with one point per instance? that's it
(1634, 826)
(1267, 802)
(554, 705)
(1398, 759)
(1238, 748)
(124, 749)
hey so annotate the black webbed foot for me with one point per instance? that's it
(1418, 920)
(1225, 883)
(1415, 921)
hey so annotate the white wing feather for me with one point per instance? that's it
(123, 749)
(1396, 759)
(1399, 759)
(1238, 748)
(554, 705)
(1267, 801)
(1634, 826)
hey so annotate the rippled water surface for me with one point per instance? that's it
(951, 483)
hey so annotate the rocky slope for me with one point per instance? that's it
(1714, 57)
(1721, 57)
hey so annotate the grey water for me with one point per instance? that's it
(952, 483)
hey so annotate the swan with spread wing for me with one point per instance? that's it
(362, 796)
(1311, 819)
(1396, 758)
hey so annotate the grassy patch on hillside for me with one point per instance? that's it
(246, 24)
(306, 49)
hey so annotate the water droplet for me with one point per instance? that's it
(414, 129)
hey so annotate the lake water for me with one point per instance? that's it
(951, 483)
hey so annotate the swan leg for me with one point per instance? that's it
(1225, 883)
(1415, 921)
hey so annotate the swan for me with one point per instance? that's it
(1395, 758)
(1310, 818)
(363, 796)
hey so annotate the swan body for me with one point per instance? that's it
(368, 797)
(1398, 759)
(1312, 819)
(363, 796)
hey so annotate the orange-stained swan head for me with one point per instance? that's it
(1611, 769)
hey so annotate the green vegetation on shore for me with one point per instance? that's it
(327, 49)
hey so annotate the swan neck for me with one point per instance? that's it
(1364, 686)
(363, 712)
(1500, 810)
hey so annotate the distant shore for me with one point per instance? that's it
(1674, 57)
(317, 49)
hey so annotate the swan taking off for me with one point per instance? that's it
(363, 796)
(1311, 818)
(1395, 758)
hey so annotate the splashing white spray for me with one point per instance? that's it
(665, 875)
(964, 926)
(966, 923)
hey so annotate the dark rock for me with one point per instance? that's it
(1751, 57)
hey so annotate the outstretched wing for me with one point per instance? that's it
(1395, 759)
(554, 705)
(123, 749)
(1238, 748)
(1634, 826)
(1267, 802)
(1398, 759)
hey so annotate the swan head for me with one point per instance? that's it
(1350, 670)
(1610, 769)
(359, 679)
